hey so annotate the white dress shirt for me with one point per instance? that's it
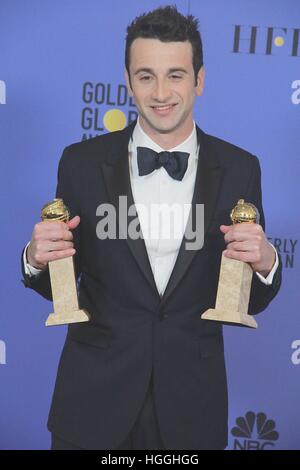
(158, 193)
(162, 205)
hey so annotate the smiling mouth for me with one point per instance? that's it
(163, 108)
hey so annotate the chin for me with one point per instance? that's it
(164, 128)
(168, 130)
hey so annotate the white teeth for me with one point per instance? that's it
(163, 107)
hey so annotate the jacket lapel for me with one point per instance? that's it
(116, 175)
(207, 185)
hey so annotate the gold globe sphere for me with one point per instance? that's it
(56, 210)
(244, 212)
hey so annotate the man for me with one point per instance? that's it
(147, 372)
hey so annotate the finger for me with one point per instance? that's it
(241, 246)
(246, 256)
(73, 223)
(225, 228)
(58, 246)
(44, 246)
(54, 255)
(57, 235)
(53, 232)
(42, 258)
(242, 232)
(235, 236)
(49, 225)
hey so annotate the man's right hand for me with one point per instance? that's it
(50, 241)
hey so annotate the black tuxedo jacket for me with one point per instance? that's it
(106, 364)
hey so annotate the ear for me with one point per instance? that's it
(200, 81)
(128, 83)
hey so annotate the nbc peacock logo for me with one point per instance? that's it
(254, 431)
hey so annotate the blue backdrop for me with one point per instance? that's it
(62, 80)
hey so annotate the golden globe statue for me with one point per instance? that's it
(235, 278)
(62, 275)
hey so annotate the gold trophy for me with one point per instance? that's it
(235, 278)
(62, 276)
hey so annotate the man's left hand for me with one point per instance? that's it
(248, 242)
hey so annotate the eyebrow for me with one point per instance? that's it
(149, 70)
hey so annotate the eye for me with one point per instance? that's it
(175, 76)
(145, 78)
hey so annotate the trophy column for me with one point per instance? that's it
(62, 276)
(233, 294)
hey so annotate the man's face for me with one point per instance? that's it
(163, 85)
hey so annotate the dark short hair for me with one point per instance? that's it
(166, 24)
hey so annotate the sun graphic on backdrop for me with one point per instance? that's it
(114, 120)
(279, 41)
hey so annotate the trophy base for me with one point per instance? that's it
(76, 316)
(227, 316)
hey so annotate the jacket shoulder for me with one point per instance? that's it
(229, 153)
(97, 147)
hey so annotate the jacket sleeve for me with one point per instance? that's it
(66, 190)
(260, 294)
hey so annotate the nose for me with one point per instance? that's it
(161, 91)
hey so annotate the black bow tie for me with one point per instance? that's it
(175, 163)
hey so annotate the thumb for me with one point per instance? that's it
(225, 228)
(73, 223)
